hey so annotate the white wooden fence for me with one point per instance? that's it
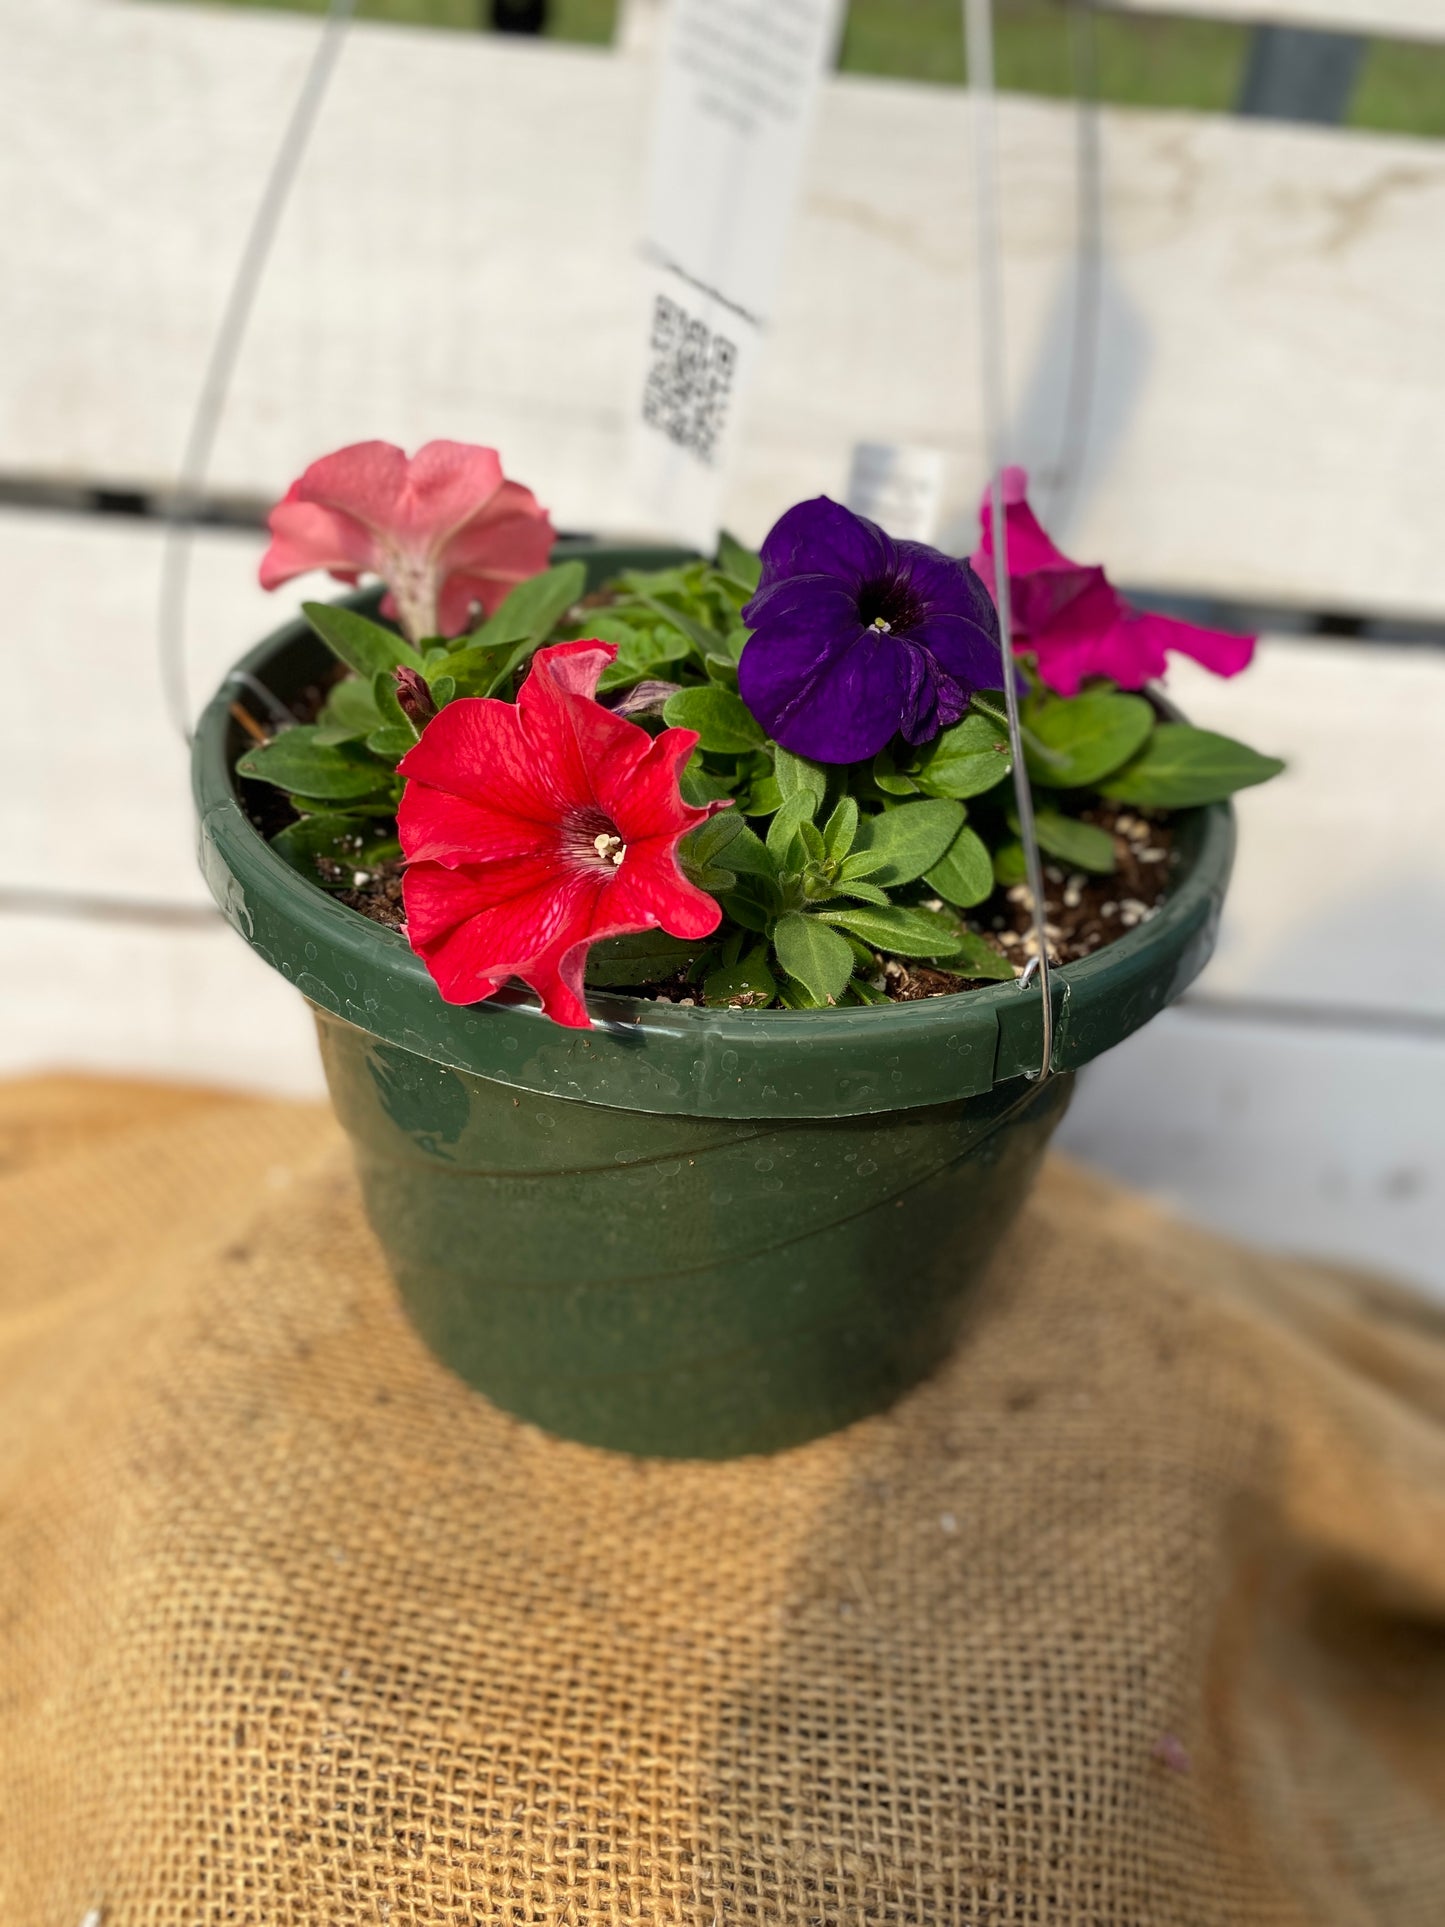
(458, 259)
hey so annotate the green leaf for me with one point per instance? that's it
(735, 560)
(795, 773)
(865, 892)
(473, 671)
(976, 957)
(647, 655)
(622, 626)
(707, 853)
(708, 842)
(906, 932)
(889, 778)
(533, 609)
(701, 637)
(294, 760)
(652, 957)
(764, 797)
(964, 874)
(383, 691)
(1088, 736)
(966, 760)
(1181, 767)
(391, 742)
(354, 841)
(865, 993)
(1083, 846)
(795, 809)
(743, 907)
(749, 982)
(443, 689)
(818, 957)
(840, 829)
(1009, 865)
(380, 802)
(747, 853)
(861, 863)
(700, 786)
(351, 706)
(723, 722)
(910, 839)
(360, 643)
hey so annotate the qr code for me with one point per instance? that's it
(689, 379)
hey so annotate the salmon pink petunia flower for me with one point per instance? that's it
(534, 829)
(1075, 623)
(444, 530)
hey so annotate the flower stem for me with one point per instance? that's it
(996, 713)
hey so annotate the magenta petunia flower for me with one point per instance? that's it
(534, 829)
(445, 531)
(1070, 618)
(857, 637)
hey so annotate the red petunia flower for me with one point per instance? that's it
(445, 531)
(1071, 618)
(534, 829)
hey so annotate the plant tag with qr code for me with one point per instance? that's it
(737, 85)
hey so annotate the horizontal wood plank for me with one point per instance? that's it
(1389, 19)
(459, 259)
(192, 1004)
(94, 778)
(1338, 897)
(1338, 894)
(1329, 1142)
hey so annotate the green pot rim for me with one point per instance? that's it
(666, 1058)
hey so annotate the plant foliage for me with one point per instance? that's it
(821, 871)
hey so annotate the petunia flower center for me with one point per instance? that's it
(590, 840)
(888, 604)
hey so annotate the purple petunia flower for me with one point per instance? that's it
(857, 637)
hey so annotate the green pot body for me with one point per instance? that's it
(673, 1284)
(687, 1232)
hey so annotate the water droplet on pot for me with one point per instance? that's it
(866, 1168)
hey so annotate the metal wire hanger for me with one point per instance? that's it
(184, 508)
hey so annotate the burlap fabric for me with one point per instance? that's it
(1134, 1615)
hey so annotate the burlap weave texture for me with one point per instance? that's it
(1136, 1614)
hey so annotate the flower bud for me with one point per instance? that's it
(414, 697)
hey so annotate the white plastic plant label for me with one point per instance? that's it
(898, 485)
(737, 85)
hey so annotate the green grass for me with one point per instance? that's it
(1160, 63)
(1139, 61)
(1402, 90)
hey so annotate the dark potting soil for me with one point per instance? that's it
(1082, 913)
(378, 897)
